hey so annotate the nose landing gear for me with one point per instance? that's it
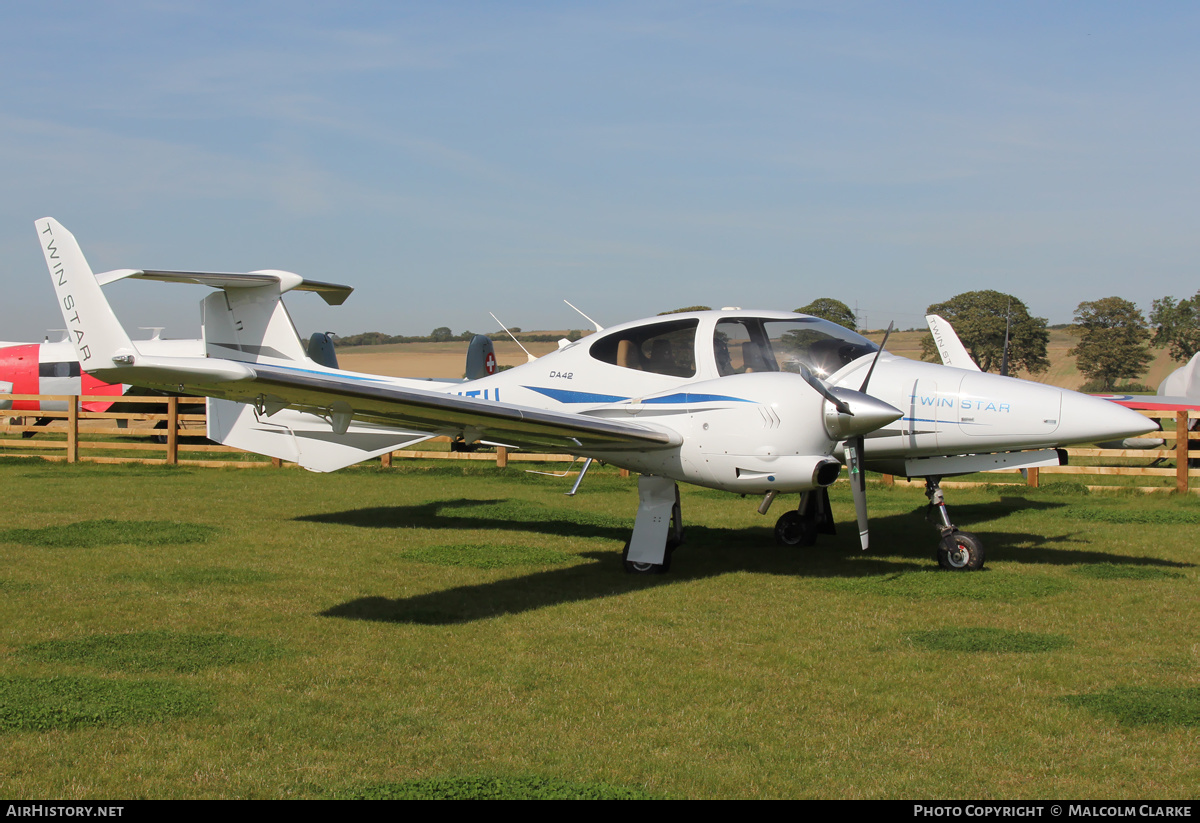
(957, 550)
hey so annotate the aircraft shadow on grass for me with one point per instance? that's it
(707, 552)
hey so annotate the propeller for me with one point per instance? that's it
(850, 416)
(854, 448)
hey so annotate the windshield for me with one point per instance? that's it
(754, 344)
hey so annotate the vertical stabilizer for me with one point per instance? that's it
(100, 341)
(951, 349)
(250, 325)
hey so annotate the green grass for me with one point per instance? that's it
(29, 704)
(1142, 706)
(153, 651)
(177, 633)
(93, 533)
(1115, 571)
(492, 788)
(977, 639)
(196, 576)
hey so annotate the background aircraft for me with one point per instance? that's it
(752, 402)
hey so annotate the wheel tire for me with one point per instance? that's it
(793, 530)
(646, 568)
(960, 552)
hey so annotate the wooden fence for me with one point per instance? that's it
(113, 436)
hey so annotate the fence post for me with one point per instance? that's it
(72, 429)
(386, 460)
(1032, 477)
(172, 431)
(888, 479)
(1181, 451)
(501, 457)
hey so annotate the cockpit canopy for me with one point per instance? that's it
(755, 344)
(733, 345)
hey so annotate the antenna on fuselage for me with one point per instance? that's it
(514, 337)
(585, 317)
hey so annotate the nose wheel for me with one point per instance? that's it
(957, 551)
(960, 551)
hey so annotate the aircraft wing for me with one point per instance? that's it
(418, 410)
(342, 398)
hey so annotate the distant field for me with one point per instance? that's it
(428, 359)
(448, 359)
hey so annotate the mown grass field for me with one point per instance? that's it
(179, 633)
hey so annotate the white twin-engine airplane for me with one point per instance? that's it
(751, 402)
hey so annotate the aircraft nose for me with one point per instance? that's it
(1087, 419)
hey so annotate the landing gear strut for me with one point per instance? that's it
(957, 550)
(813, 517)
(658, 528)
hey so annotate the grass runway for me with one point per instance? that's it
(196, 633)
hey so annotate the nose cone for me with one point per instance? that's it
(867, 414)
(1087, 419)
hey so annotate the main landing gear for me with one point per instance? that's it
(811, 518)
(957, 550)
(658, 529)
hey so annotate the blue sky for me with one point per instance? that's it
(450, 159)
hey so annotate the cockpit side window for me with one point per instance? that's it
(737, 346)
(751, 344)
(661, 348)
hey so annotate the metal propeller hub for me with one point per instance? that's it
(866, 414)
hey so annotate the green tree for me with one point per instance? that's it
(979, 319)
(441, 334)
(1177, 326)
(684, 309)
(1113, 341)
(835, 311)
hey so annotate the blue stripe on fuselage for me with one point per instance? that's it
(570, 396)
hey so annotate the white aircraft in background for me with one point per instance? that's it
(752, 402)
(52, 368)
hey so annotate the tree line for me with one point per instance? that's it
(1114, 335)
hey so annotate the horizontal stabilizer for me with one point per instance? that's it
(332, 293)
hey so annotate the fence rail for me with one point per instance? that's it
(77, 435)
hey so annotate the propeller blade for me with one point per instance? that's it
(870, 371)
(824, 390)
(858, 485)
